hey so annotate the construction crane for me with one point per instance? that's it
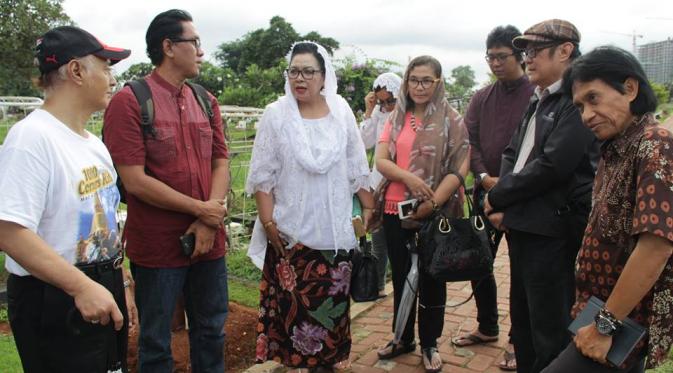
(632, 35)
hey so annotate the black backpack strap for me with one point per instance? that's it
(202, 97)
(143, 94)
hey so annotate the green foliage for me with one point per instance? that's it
(256, 87)
(265, 47)
(211, 77)
(662, 93)
(239, 266)
(355, 80)
(135, 71)
(21, 23)
(461, 82)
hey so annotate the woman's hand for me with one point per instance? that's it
(367, 217)
(418, 188)
(273, 235)
(423, 211)
(370, 102)
(129, 294)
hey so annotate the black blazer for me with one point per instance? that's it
(554, 187)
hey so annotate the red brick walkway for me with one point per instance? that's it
(372, 329)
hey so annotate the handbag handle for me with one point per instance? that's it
(470, 208)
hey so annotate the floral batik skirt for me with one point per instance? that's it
(304, 318)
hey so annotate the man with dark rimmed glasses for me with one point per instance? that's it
(176, 180)
(543, 198)
(494, 113)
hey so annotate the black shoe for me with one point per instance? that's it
(397, 350)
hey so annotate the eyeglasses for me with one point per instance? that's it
(195, 41)
(531, 53)
(425, 83)
(490, 58)
(388, 102)
(307, 72)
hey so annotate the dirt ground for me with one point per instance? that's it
(239, 347)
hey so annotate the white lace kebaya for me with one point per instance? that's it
(311, 167)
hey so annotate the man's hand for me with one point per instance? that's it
(205, 237)
(212, 212)
(488, 209)
(592, 344)
(129, 294)
(489, 182)
(496, 219)
(97, 305)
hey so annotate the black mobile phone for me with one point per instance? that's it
(187, 243)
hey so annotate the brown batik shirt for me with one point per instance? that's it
(633, 194)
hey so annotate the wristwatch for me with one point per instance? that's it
(481, 177)
(606, 323)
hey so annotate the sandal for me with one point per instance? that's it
(396, 350)
(471, 339)
(509, 362)
(429, 353)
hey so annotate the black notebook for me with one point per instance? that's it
(623, 341)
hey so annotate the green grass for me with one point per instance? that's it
(9, 357)
(240, 267)
(243, 294)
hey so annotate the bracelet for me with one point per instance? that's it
(269, 223)
(368, 208)
(435, 206)
(127, 283)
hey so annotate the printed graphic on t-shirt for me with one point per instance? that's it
(98, 238)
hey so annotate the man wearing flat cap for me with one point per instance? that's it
(543, 198)
(67, 297)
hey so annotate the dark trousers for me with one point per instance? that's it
(486, 299)
(432, 294)
(50, 334)
(542, 292)
(204, 286)
(571, 360)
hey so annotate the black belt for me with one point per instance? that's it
(101, 267)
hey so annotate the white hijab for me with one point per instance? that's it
(390, 81)
(315, 162)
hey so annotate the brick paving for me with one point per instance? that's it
(371, 329)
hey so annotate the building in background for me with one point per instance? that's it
(657, 60)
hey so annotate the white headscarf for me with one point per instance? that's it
(390, 81)
(296, 133)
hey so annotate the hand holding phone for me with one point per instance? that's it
(407, 208)
(188, 242)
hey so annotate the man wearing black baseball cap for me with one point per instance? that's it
(67, 297)
(543, 197)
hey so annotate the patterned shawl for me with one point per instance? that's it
(440, 147)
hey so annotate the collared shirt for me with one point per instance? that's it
(492, 117)
(529, 137)
(180, 156)
(633, 193)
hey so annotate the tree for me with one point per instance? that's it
(211, 77)
(135, 71)
(461, 82)
(21, 24)
(264, 47)
(256, 87)
(355, 80)
(661, 92)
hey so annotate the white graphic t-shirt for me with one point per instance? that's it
(61, 186)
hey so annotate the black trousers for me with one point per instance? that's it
(50, 334)
(486, 299)
(542, 292)
(432, 294)
(571, 360)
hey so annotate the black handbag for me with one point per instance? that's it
(455, 249)
(364, 276)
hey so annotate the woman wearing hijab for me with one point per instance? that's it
(423, 155)
(307, 162)
(379, 103)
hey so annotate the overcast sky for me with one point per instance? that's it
(452, 31)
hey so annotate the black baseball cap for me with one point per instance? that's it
(60, 45)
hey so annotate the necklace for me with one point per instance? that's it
(412, 122)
